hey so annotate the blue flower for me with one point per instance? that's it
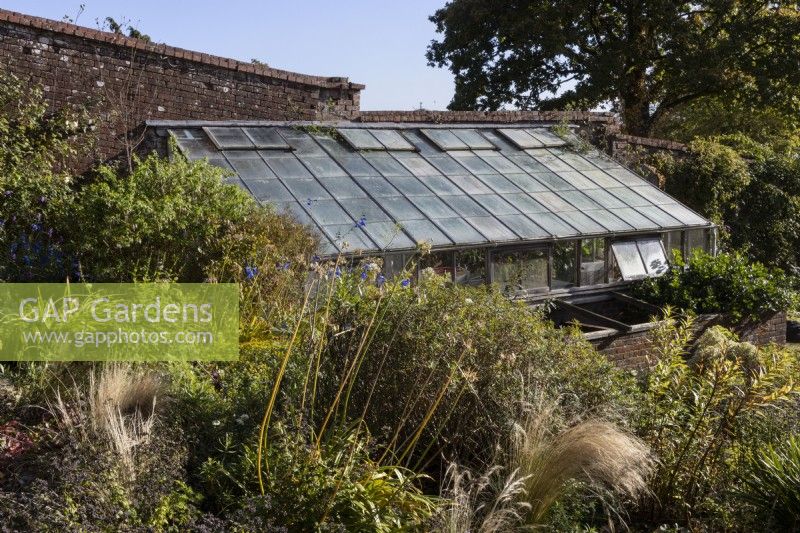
(36, 227)
(8, 193)
(42, 199)
(338, 272)
(361, 222)
(250, 272)
(284, 266)
(309, 202)
(381, 280)
(405, 283)
(364, 275)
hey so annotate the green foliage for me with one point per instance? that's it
(710, 181)
(650, 59)
(772, 483)
(697, 415)
(726, 283)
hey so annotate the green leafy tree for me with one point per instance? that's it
(648, 57)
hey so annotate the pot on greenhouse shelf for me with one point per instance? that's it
(792, 331)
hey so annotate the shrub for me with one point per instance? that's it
(772, 483)
(440, 371)
(698, 413)
(726, 283)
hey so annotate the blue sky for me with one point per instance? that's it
(379, 43)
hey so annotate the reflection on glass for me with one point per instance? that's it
(672, 243)
(471, 267)
(593, 262)
(564, 265)
(440, 263)
(394, 264)
(520, 271)
(698, 239)
(628, 261)
(653, 256)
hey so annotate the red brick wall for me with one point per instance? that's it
(634, 351)
(126, 81)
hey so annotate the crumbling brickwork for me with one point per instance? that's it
(126, 81)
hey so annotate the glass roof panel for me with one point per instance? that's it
(416, 164)
(388, 235)
(526, 182)
(219, 161)
(684, 214)
(473, 163)
(440, 185)
(498, 183)
(301, 142)
(432, 207)
(195, 148)
(624, 175)
(322, 166)
(473, 139)
(248, 165)
(392, 140)
(553, 202)
(355, 165)
(605, 199)
(492, 229)
(495, 204)
(609, 220)
(600, 178)
(628, 196)
(364, 207)
(546, 137)
(628, 259)
(582, 223)
(524, 227)
(385, 164)
(554, 225)
(377, 187)
(465, 206)
(266, 138)
(658, 216)
(343, 188)
(525, 203)
(527, 163)
(553, 181)
(401, 209)
(409, 185)
(634, 218)
(421, 143)
(446, 164)
(327, 212)
(360, 139)
(444, 139)
(520, 138)
(306, 189)
(229, 138)
(460, 231)
(269, 189)
(500, 163)
(575, 161)
(653, 194)
(470, 184)
(348, 237)
(577, 180)
(600, 160)
(425, 230)
(549, 159)
(284, 165)
(579, 200)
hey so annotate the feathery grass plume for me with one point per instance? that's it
(118, 405)
(593, 451)
(483, 504)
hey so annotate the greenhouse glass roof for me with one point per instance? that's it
(388, 187)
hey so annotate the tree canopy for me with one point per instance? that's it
(645, 57)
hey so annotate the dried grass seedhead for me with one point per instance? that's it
(593, 451)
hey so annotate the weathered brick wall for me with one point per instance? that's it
(126, 81)
(634, 351)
